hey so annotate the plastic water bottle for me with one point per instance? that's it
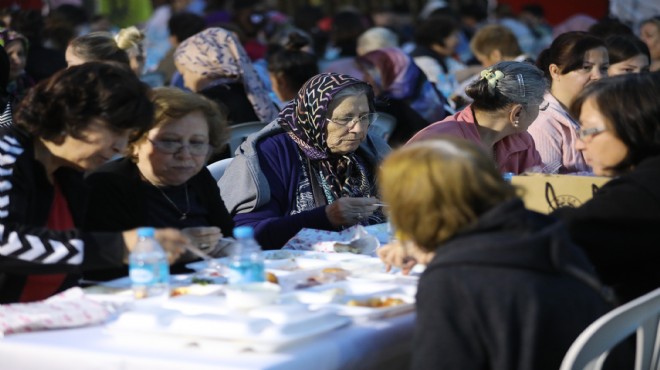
(508, 176)
(247, 263)
(148, 268)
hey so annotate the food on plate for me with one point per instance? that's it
(376, 302)
(183, 290)
(346, 248)
(308, 283)
(270, 277)
(201, 281)
(333, 274)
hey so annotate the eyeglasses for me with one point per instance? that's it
(173, 147)
(365, 120)
(586, 133)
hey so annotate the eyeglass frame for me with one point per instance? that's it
(585, 133)
(158, 144)
(351, 123)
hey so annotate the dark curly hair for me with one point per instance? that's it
(72, 98)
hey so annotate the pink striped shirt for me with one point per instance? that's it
(555, 134)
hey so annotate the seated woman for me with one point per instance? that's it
(291, 66)
(94, 47)
(163, 182)
(620, 136)
(214, 64)
(403, 91)
(506, 102)
(495, 291)
(313, 167)
(627, 54)
(574, 60)
(16, 46)
(73, 122)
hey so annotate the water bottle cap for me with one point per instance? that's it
(507, 176)
(243, 232)
(145, 232)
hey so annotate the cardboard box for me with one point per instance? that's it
(545, 193)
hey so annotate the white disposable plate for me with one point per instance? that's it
(239, 332)
(369, 313)
(354, 289)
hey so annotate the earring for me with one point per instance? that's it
(516, 123)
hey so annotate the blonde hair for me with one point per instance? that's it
(173, 103)
(129, 37)
(438, 187)
(495, 37)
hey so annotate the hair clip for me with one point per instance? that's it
(521, 84)
(492, 77)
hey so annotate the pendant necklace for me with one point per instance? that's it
(184, 215)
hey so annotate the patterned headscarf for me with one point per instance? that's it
(304, 119)
(400, 78)
(218, 54)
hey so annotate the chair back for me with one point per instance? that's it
(238, 133)
(383, 126)
(218, 168)
(642, 315)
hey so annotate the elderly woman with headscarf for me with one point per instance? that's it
(313, 167)
(403, 91)
(214, 64)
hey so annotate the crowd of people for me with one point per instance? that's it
(106, 129)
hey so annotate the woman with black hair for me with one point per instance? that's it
(290, 66)
(628, 54)
(619, 136)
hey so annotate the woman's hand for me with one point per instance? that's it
(396, 254)
(349, 211)
(173, 242)
(404, 255)
(204, 237)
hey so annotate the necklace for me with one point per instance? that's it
(184, 215)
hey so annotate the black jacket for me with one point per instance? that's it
(619, 229)
(26, 245)
(512, 292)
(118, 202)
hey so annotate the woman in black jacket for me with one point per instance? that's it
(73, 122)
(619, 228)
(504, 287)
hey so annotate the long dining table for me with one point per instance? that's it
(377, 344)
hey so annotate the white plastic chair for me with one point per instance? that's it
(591, 348)
(238, 133)
(218, 168)
(383, 126)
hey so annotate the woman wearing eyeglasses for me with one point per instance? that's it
(313, 167)
(506, 100)
(163, 180)
(620, 136)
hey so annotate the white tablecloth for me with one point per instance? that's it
(380, 344)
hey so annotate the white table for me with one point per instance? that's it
(380, 344)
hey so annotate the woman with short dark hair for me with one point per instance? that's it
(73, 122)
(620, 136)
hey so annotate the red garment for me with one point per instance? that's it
(38, 287)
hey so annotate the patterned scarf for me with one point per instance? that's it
(398, 77)
(304, 119)
(217, 53)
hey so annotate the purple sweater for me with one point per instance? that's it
(273, 224)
